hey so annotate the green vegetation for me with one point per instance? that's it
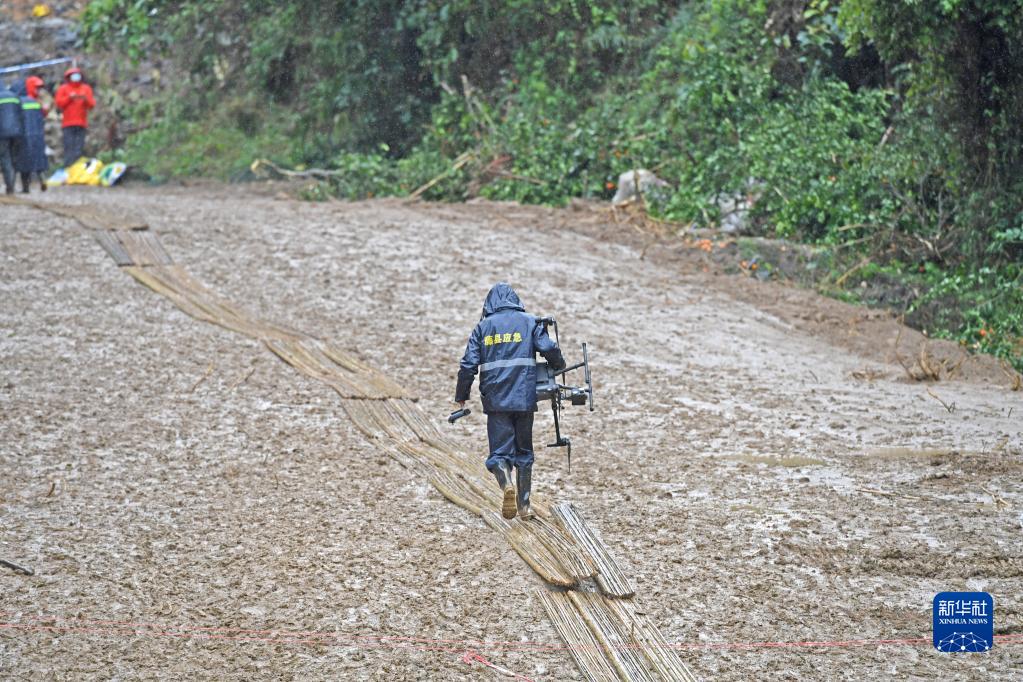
(888, 131)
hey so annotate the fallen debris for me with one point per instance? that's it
(634, 185)
(205, 375)
(1015, 378)
(867, 374)
(923, 368)
(16, 567)
(455, 167)
(998, 500)
(265, 168)
(949, 407)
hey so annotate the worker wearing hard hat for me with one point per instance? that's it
(75, 99)
(36, 89)
(30, 150)
(503, 348)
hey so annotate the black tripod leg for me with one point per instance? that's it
(557, 423)
(559, 441)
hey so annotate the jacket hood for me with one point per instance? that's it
(501, 297)
(32, 85)
(67, 74)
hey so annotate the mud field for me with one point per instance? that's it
(193, 508)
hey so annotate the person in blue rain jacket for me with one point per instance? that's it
(503, 348)
(30, 149)
(10, 130)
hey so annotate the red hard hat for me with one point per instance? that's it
(32, 85)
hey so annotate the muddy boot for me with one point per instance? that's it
(524, 482)
(42, 185)
(503, 474)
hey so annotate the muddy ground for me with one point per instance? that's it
(757, 458)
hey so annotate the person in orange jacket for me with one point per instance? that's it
(74, 98)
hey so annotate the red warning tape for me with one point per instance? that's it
(467, 647)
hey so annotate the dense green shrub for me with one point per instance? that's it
(982, 307)
(891, 132)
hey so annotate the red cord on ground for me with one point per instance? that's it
(471, 657)
(91, 626)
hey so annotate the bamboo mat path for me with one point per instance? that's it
(589, 595)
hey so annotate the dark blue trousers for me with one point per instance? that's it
(74, 144)
(7, 162)
(511, 439)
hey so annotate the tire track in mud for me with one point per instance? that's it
(588, 595)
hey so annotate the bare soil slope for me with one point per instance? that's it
(764, 481)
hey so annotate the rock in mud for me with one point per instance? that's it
(635, 182)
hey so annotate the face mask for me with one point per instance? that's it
(76, 78)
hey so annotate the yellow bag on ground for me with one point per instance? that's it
(84, 172)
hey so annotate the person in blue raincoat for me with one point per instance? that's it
(10, 130)
(30, 148)
(503, 348)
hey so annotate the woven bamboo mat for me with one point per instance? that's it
(589, 598)
(610, 640)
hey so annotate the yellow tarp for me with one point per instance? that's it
(87, 171)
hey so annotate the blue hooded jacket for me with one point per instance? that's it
(503, 347)
(10, 114)
(30, 148)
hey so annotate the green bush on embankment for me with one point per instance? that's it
(889, 132)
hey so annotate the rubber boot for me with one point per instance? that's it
(503, 474)
(524, 482)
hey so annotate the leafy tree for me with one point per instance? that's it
(888, 130)
(360, 73)
(963, 59)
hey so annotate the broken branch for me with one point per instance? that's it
(206, 374)
(949, 407)
(459, 162)
(16, 567)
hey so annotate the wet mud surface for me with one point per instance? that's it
(760, 462)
